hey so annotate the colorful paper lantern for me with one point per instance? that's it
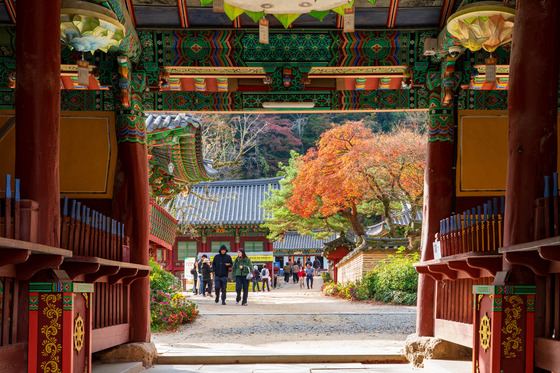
(486, 25)
(88, 27)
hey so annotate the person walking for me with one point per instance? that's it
(265, 275)
(206, 278)
(301, 275)
(316, 266)
(222, 264)
(295, 270)
(309, 273)
(287, 272)
(256, 278)
(199, 265)
(194, 273)
(242, 267)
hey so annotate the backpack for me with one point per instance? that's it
(257, 274)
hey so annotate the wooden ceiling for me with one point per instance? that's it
(385, 14)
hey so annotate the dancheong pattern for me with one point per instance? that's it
(238, 48)
(440, 120)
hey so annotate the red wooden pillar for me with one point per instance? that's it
(438, 201)
(533, 110)
(38, 111)
(131, 201)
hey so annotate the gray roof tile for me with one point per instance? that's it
(225, 202)
(293, 240)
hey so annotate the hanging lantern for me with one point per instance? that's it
(486, 25)
(88, 27)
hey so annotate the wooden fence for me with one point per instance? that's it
(90, 233)
(477, 230)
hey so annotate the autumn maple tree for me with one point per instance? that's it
(279, 219)
(352, 167)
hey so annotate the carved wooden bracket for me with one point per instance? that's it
(473, 273)
(36, 263)
(490, 264)
(13, 256)
(142, 273)
(75, 269)
(530, 259)
(425, 271)
(444, 270)
(102, 272)
(122, 274)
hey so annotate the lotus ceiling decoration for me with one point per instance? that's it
(88, 27)
(486, 25)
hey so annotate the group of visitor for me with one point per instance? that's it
(242, 271)
(298, 272)
(262, 277)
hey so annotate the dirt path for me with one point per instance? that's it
(295, 320)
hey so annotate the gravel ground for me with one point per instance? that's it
(293, 320)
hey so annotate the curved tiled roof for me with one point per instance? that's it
(175, 149)
(403, 218)
(293, 241)
(225, 202)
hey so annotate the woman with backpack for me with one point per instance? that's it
(256, 278)
(265, 275)
(242, 272)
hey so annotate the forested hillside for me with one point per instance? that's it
(251, 146)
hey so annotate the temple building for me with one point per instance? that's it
(76, 84)
(222, 213)
(293, 247)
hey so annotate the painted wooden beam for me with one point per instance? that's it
(130, 7)
(446, 10)
(392, 17)
(11, 9)
(183, 13)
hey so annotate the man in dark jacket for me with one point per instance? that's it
(222, 265)
(316, 266)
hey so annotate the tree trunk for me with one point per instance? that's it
(388, 217)
(357, 227)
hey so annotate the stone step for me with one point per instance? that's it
(253, 357)
(447, 366)
(133, 367)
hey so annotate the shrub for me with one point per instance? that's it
(326, 277)
(163, 280)
(393, 281)
(168, 307)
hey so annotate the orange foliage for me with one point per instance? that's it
(352, 165)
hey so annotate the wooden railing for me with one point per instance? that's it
(110, 304)
(10, 211)
(547, 210)
(477, 230)
(8, 310)
(89, 233)
(454, 299)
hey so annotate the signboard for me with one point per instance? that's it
(256, 257)
(261, 258)
(188, 266)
